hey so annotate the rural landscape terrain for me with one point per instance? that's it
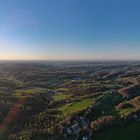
(68, 100)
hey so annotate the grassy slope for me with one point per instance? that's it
(33, 90)
(129, 132)
(70, 108)
(60, 97)
(125, 111)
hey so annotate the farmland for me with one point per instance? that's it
(73, 107)
(69, 100)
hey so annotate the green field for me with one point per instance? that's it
(125, 111)
(62, 89)
(76, 106)
(60, 97)
(129, 132)
(35, 90)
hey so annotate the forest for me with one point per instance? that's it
(69, 100)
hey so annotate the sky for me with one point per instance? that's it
(69, 29)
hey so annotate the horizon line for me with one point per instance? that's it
(69, 60)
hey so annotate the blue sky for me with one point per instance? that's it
(69, 29)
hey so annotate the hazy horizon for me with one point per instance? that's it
(69, 30)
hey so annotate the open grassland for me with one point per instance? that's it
(128, 132)
(61, 96)
(62, 89)
(125, 111)
(29, 91)
(76, 106)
